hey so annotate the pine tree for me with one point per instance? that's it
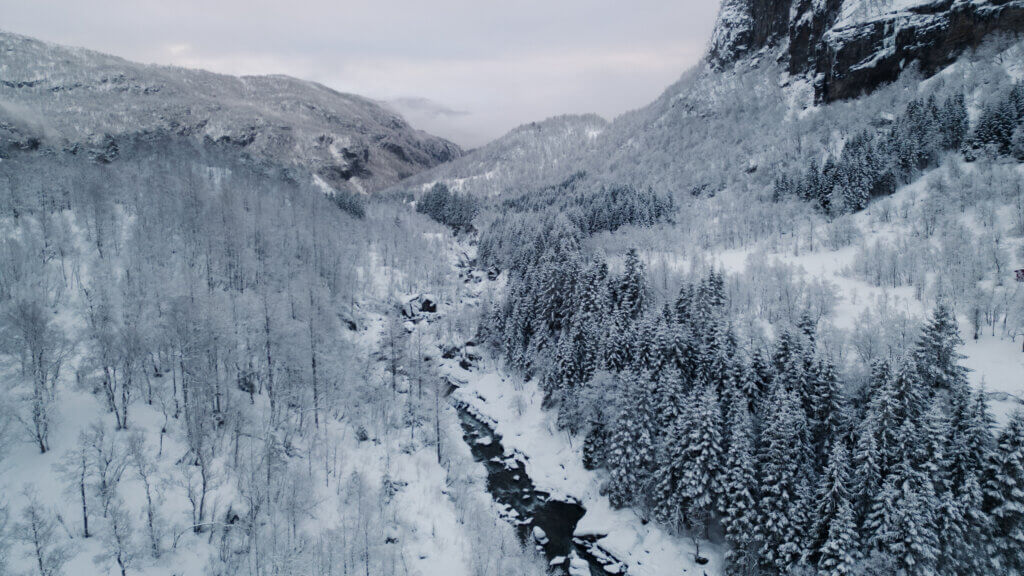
(885, 416)
(739, 491)
(564, 371)
(902, 527)
(955, 123)
(684, 305)
(670, 402)
(553, 284)
(995, 126)
(880, 373)
(618, 345)
(1016, 99)
(833, 505)
(794, 365)
(838, 555)
(631, 292)
(595, 445)
(936, 354)
(829, 409)
(867, 462)
(1004, 495)
(630, 452)
(691, 473)
(910, 396)
(971, 442)
(784, 462)
(592, 308)
(702, 457)
(644, 347)
(756, 378)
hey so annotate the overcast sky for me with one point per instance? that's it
(468, 70)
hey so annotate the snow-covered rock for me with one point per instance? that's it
(578, 566)
(848, 47)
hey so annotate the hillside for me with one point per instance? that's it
(530, 155)
(76, 99)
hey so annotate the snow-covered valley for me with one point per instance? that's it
(770, 324)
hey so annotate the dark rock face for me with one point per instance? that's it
(848, 55)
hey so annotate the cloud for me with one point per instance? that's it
(424, 107)
(500, 64)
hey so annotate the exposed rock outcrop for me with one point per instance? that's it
(848, 47)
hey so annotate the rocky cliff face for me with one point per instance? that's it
(847, 47)
(92, 103)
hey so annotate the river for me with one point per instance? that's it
(528, 508)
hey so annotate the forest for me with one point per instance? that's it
(744, 333)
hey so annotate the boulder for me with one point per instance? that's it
(428, 303)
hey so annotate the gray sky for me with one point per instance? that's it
(468, 70)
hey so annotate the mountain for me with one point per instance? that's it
(85, 101)
(849, 47)
(530, 154)
(770, 63)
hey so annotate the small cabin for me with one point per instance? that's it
(1020, 275)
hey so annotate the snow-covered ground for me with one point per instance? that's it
(995, 362)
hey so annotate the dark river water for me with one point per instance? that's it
(527, 507)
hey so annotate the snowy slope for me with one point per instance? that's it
(77, 97)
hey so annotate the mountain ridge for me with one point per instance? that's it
(82, 98)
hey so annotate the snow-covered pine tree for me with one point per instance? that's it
(738, 505)
(838, 555)
(691, 469)
(702, 458)
(867, 467)
(670, 502)
(955, 123)
(553, 284)
(949, 520)
(886, 418)
(937, 355)
(618, 345)
(903, 526)
(631, 291)
(645, 352)
(595, 445)
(971, 443)
(910, 396)
(670, 401)
(592, 309)
(1004, 495)
(784, 460)
(829, 417)
(564, 371)
(833, 514)
(756, 377)
(684, 305)
(630, 453)
(881, 370)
